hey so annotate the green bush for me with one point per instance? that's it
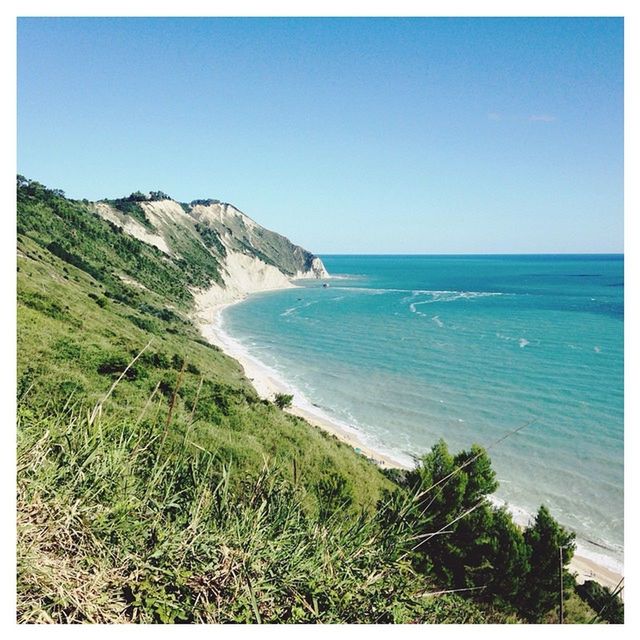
(41, 303)
(607, 604)
(283, 400)
(468, 543)
(334, 495)
(116, 365)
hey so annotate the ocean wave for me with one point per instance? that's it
(372, 290)
(297, 307)
(444, 296)
(435, 295)
(344, 276)
(522, 342)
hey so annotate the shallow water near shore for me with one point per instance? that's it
(409, 349)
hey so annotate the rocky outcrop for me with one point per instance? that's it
(249, 257)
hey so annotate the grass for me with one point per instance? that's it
(155, 486)
(122, 521)
(153, 483)
(57, 360)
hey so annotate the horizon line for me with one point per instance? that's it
(529, 253)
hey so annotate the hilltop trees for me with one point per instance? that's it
(138, 196)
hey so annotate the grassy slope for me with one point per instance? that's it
(230, 511)
(66, 337)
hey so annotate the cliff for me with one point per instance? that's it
(247, 256)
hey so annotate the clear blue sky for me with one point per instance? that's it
(347, 135)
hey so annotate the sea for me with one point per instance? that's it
(410, 349)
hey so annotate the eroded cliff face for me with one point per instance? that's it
(249, 258)
(316, 269)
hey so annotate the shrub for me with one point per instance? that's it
(115, 365)
(283, 400)
(334, 495)
(607, 604)
(144, 323)
(43, 304)
(470, 544)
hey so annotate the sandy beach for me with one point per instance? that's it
(267, 383)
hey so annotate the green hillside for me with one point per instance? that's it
(154, 485)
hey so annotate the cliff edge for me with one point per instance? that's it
(248, 258)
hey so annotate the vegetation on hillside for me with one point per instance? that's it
(119, 521)
(468, 543)
(154, 485)
(100, 249)
(605, 602)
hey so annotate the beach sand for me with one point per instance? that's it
(267, 384)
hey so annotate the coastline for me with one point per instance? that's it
(267, 383)
(209, 307)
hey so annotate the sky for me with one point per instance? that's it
(405, 135)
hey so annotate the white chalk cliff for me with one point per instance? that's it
(248, 257)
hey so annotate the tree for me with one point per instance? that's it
(453, 513)
(607, 604)
(541, 591)
(158, 195)
(283, 400)
(137, 196)
(510, 558)
(467, 543)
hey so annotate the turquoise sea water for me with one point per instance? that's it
(410, 349)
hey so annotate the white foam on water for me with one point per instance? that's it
(436, 296)
(522, 342)
(413, 309)
(344, 276)
(292, 310)
(374, 291)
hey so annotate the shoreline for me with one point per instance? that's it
(267, 382)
